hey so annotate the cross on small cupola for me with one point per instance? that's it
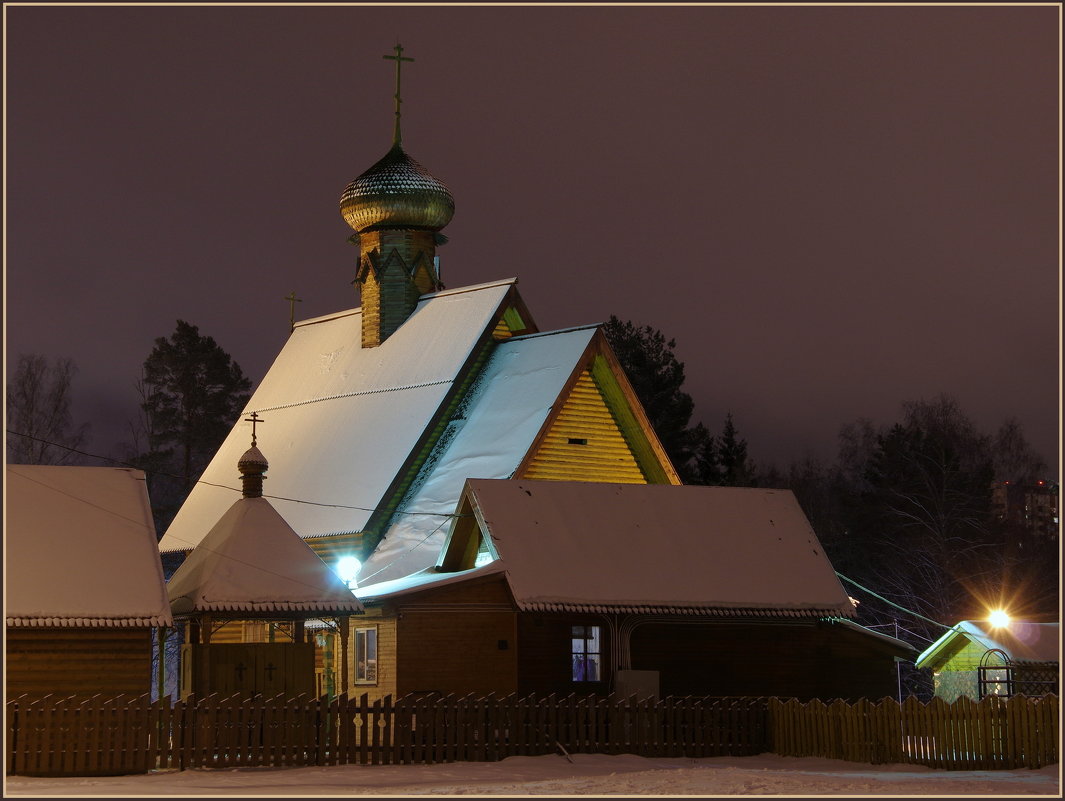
(252, 465)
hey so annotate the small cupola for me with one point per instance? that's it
(252, 465)
(397, 209)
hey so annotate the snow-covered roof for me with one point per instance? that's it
(342, 419)
(580, 546)
(252, 561)
(492, 432)
(591, 547)
(81, 549)
(901, 646)
(1021, 640)
(428, 578)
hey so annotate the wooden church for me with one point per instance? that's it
(381, 413)
(377, 418)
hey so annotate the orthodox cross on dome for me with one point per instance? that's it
(254, 419)
(292, 301)
(399, 58)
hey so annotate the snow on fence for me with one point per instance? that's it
(994, 733)
(100, 736)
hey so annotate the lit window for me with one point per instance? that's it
(366, 656)
(586, 650)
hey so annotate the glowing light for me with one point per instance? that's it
(998, 618)
(348, 568)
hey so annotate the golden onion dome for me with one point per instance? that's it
(397, 192)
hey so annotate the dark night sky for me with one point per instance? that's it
(832, 209)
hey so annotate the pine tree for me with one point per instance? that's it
(657, 377)
(732, 454)
(191, 394)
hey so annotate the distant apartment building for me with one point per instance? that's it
(1030, 507)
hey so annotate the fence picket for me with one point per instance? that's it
(65, 736)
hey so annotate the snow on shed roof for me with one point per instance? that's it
(1021, 640)
(494, 429)
(343, 418)
(581, 546)
(81, 549)
(252, 561)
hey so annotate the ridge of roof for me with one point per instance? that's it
(428, 296)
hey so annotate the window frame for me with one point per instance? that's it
(363, 674)
(589, 634)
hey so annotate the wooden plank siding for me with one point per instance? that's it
(800, 660)
(546, 660)
(78, 661)
(584, 442)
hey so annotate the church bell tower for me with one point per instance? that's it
(397, 210)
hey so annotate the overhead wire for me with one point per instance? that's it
(224, 486)
(446, 515)
(892, 603)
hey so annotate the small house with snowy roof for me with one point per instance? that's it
(974, 659)
(252, 570)
(561, 587)
(84, 586)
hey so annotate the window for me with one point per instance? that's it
(586, 650)
(366, 656)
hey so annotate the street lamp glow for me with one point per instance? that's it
(348, 568)
(998, 618)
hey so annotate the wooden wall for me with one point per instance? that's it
(78, 661)
(800, 660)
(458, 639)
(600, 452)
(545, 658)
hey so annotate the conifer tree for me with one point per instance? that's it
(657, 377)
(192, 392)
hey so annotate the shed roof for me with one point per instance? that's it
(348, 416)
(81, 549)
(591, 547)
(251, 561)
(1020, 640)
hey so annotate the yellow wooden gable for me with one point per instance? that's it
(598, 431)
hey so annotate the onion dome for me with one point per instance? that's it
(252, 465)
(397, 192)
(252, 461)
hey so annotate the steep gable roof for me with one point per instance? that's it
(1020, 640)
(351, 418)
(252, 561)
(81, 549)
(577, 546)
(501, 421)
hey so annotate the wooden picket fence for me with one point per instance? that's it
(108, 736)
(994, 733)
(131, 735)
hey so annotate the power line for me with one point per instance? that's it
(448, 515)
(892, 603)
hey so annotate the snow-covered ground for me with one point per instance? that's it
(587, 774)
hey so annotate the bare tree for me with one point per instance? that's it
(40, 428)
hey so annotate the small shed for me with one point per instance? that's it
(84, 586)
(560, 587)
(975, 659)
(252, 567)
